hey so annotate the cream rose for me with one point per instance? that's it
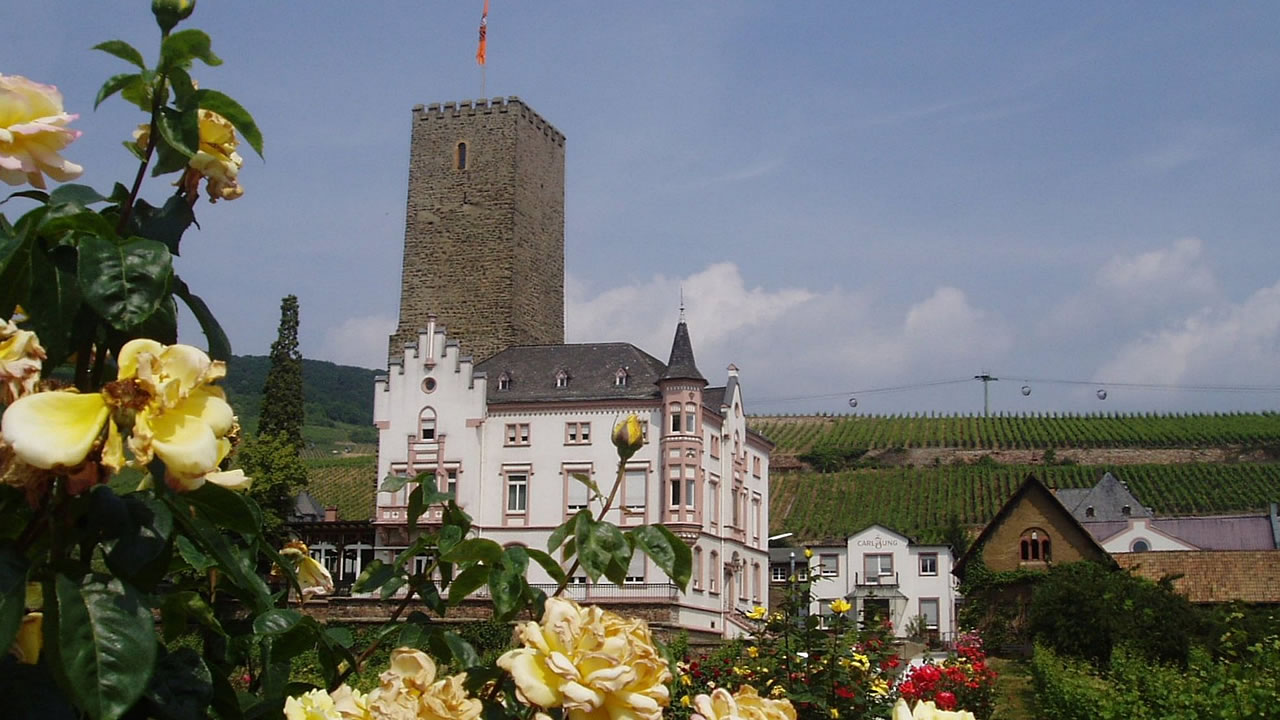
(33, 130)
(586, 660)
(745, 704)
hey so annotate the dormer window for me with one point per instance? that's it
(562, 379)
(504, 381)
(620, 378)
(1126, 511)
(1088, 512)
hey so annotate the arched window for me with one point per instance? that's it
(697, 567)
(690, 417)
(620, 377)
(1140, 545)
(674, 412)
(1126, 511)
(713, 572)
(504, 381)
(562, 379)
(460, 156)
(1034, 546)
(1088, 512)
(427, 424)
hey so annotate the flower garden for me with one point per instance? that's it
(135, 581)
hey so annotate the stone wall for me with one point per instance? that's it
(483, 244)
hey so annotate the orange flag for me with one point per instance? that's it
(484, 27)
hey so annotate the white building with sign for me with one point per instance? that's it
(882, 574)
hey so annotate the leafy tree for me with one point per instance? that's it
(956, 536)
(282, 405)
(278, 475)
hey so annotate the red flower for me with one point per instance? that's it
(845, 692)
(892, 662)
(946, 701)
(908, 690)
(928, 674)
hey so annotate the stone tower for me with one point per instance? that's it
(484, 227)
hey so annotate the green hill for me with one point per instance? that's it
(338, 399)
(919, 501)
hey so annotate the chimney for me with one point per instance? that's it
(331, 514)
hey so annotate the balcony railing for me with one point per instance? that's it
(875, 580)
(606, 591)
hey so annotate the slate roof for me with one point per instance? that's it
(1220, 532)
(681, 365)
(1108, 499)
(1251, 576)
(591, 368)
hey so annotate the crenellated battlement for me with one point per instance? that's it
(466, 108)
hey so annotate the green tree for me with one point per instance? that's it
(278, 475)
(282, 404)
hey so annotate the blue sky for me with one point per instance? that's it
(853, 196)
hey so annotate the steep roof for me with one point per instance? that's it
(1251, 576)
(1108, 499)
(1030, 485)
(591, 369)
(681, 366)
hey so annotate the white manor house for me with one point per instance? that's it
(507, 434)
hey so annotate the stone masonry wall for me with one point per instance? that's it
(484, 245)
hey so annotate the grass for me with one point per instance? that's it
(1015, 696)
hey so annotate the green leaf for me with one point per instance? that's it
(392, 587)
(180, 48)
(393, 483)
(475, 550)
(122, 50)
(180, 129)
(416, 507)
(124, 283)
(184, 90)
(449, 537)
(115, 84)
(226, 508)
(181, 688)
(231, 110)
(374, 576)
(144, 544)
(548, 563)
(54, 302)
(467, 582)
(598, 544)
(219, 344)
(276, 621)
(13, 596)
(464, 655)
(228, 558)
(183, 606)
(506, 588)
(667, 551)
(196, 559)
(139, 93)
(15, 263)
(559, 534)
(517, 558)
(591, 484)
(82, 195)
(166, 224)
(104, 638)
(37, 195)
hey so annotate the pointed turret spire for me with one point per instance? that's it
(681, 365)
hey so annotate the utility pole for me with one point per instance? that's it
(986, 402)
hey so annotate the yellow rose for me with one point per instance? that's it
(879, 687)
(742, 705)
(216, 160)
(21, 357)
(313, 578)
(927, 711)
(314, 705)
(808, 553)
(589, 661)
(351, 704)
(162, 397)
(30, 639)
(33, 129)
(628, 436)
(409, 690)
(840, 606)
(757, 613)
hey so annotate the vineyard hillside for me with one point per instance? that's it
(920, 501)
(833, 442)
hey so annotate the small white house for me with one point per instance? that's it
(883, 574)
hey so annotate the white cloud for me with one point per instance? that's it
(1231, 344)
(793, 342)
(1143, 290)
(359, 341)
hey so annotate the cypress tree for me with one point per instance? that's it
(282, 409)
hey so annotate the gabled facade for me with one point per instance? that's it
(1032, 530)
(508, 434)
